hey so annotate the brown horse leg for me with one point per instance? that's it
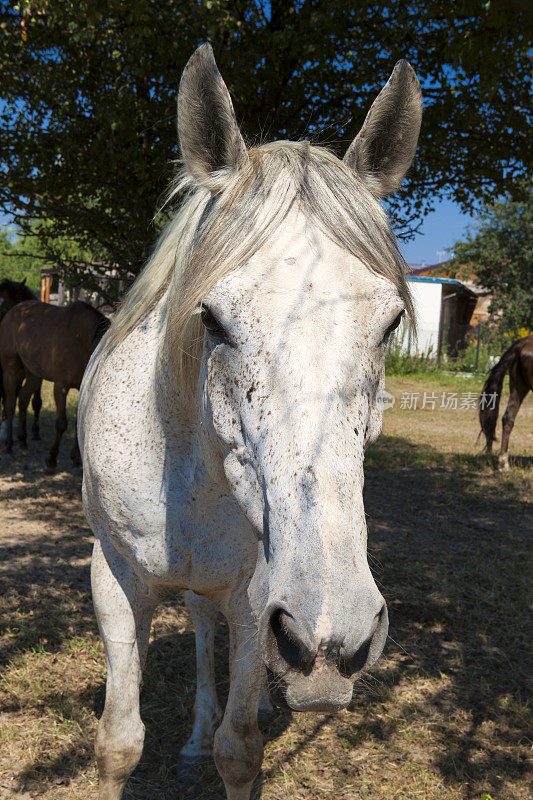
(12, 382)
(60, 397)
(517, 391)
(30, 385)
(75, 452)
(24, 399)
(36, 405)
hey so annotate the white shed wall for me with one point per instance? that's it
(427, 299)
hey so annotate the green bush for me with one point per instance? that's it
(491, 346)
(400, 361)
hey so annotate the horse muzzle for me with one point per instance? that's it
(307, 676)
(323, 689)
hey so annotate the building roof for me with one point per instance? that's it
(430, 279)
(446, 281)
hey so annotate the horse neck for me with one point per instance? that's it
(25, 295)
(15, 299)
(177, 408)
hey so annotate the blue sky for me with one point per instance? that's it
(439, 230)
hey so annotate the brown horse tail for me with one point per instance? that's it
(489, 404)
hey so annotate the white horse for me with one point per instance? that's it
(224, 419)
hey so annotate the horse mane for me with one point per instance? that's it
(216, 232)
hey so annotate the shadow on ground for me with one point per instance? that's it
(449, 544)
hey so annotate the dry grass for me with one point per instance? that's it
(444, 716)
(452, 431)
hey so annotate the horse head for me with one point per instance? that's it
(292, 365)
(12, 293)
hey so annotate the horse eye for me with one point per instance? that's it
(392, 327)
(210, 321)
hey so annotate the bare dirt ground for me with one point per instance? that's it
(445, 714)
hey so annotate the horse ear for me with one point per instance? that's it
(384, 148)
(208, 133)
(23, 282)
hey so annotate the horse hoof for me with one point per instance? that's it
(188, 770)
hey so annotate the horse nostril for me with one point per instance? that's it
(352, 665)
(358, 661)
(289, 642)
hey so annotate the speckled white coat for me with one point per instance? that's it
(248, 493)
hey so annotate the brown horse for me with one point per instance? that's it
(40, 342)
(11, 293)
(518, 360)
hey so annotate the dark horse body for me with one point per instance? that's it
(40, 342)
(518, 361)
(11, 293)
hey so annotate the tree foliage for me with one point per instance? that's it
(20, 259)
(24, 253)
(500, 251)
(88, 88)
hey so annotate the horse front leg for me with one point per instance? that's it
(238, 745)
(75, 454)
(124, 608)
(37, 404)
(12, 382)
(24, 399)
(60, 397)
(207, 711)
(31, 385)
